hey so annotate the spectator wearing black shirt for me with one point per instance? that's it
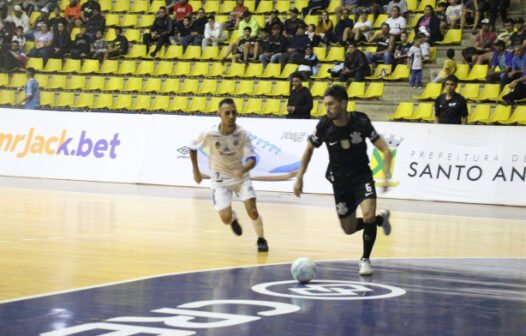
(402, 49)
(519, 36)
(61, 40)
(355, 65)
(519, 90)
(53, 23)
(344, 26)
(13, 58)
(277, 45)
(274, 20)
(295, 49)
(81, 47)
(300, 102)
(431, 26)
(117, 47)
(314, 6)
(160, 31)
(246, 47)
(87, 10)
(198, 27)
(184, 32)
(262, 46)
(451, 107)
(292, 24)
(385, 44)
(308, 66)
(95, 23)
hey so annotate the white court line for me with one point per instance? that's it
(4, 241)
(29, 239)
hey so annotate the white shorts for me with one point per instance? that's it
(222, 196)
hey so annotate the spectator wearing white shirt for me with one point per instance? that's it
(363, 26)
(454, 12)
(397, 23)
(20, 19)
(213, 33)
(416, 63)
(402, 4)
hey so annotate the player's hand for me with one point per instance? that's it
(239, 174)
(298, 187)
(385, 187)
(197, 176)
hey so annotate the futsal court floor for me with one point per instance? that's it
(85, 259)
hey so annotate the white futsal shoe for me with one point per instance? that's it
(365, 267)
(386, 226)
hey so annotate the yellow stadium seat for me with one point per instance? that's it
(160, 103)
(283, 6)
(136, 51)
(105, 5)
(317, 111)
(432, 91)
(300, 4)
(471, 91)
(196, 4)
(129, 20)
(90, 66)
(351, 106)
(311, 19)
(245, 87)
(133, 35)
(155, 5)
(453, 36)
(127, 67)
(518, 117)
(171, 85)
(424, 111)
(504, 92)
(146, 21)
(379, 20)
(253, 106)
(192, 53)
(96, 83)
(123, 102)
(210, 52)
(478, 72)
(254, 70)
(282, 88)
(182, 69)
(264, 7)
(380, 69)
(235, 70)
(208, 86)
(234, 36)
(75, 82)
(433, 55)
(65, 99)
(288, 70)
(489, 92)
(142, 102)
(4, 79)
(18, 80)
(263, 88)
(336, 54)
(356, 89)
(53, 65)
(321, 53)
(190, 86)
(499, 115)
(152, 85)
(200, 69)
(404, 111)
(115, 84)
(47, 98)
(139, 6)
(375, 90)
(480, 113)
(197, 105)
(217, 69)
(227, 6)
(239, 102)
(272, 70)
(33, 16)
(211, 7)
(251, 4)
(425, 3)
(414, 20)
(323, 72)
(401, 72)
(462, 72)
(221, 18)
(85, 100)
(227, 87)
(109, 67)
(103, 101)
(42, 80)
(35, 63)
(133, 84)
(7, 97)
(333, 5)
(113, 20)
(411, 5)
(164, 68)
(110, 35)
(272, 106)
(213, 105)
(146, 68)
(74, 32)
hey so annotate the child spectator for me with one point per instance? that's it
(449, 68)
(416, 64)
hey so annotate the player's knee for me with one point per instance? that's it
(369, 217)
(348, 227)
(253, 213)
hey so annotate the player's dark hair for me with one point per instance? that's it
(430, 8)
(450, 53)
(337, 92)
(452, 78)
(298, 75)
(211, 17)
(386, 24)
(118, 28)
(162, 7)
(31, 71)
(226, 101)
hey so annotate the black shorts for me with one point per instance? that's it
(350, 192)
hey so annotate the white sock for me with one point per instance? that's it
(233, 216)
(258, 227)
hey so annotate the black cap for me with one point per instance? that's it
(294, 10)
(275, 11)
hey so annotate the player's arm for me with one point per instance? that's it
(382, 147)
(197, 174)
(298, 186)
(249, 164)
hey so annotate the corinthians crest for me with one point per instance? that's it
(356, 138)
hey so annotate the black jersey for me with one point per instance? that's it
(346, 145)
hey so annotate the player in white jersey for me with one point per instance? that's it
(229, 145)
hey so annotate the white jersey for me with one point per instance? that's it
(225, 154)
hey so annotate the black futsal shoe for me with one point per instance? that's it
(236, 227)
(262, 245)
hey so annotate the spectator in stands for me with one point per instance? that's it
(6, 33)
(519, 36)
(19, 37)
(416, 64)
(182, 9)
(309, 66)
(118, 47)
(213, 33)
(449, 68)
(508, 31)
(81, 46)
(198, 27)
(235, 16)
(385, 44)
(95, 23)
(397, 23)
(292, 24)
(430, 26)
(246, 47)
(87, 10)
(36, 26)
(518, 63)
(313, 36)
(402, 50)
(249, 21)
(50, 5)
(401, 4)
(184, 33)
(300, 101)
(73, 14)
(53, 23)
(99, 47)
(262, 46)
(441, 14)
(502, 59)
(28, 6)
(169, 4)
(470, 14)
(295, 49)
(32, 91)
(344, 27)
(314, 6)
(356, 66)
(360, 32)
(372, 6)
(325, 29)
(61, 41)
(274, 19)
(483, 45)
(12, 59)
(20, 19)
(277, 45)
(43, 43)
(160, 31)
(454, 13)
(451, 107)
(494, 6)
(519, 90)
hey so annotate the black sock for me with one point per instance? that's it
(360, 223)
(369, 237)
(379, 220)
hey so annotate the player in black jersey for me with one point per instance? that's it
(344, 134)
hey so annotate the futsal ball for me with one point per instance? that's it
(303, 270)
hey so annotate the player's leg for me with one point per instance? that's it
(222, 197)
(248, 196)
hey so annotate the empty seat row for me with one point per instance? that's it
(470, 91)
